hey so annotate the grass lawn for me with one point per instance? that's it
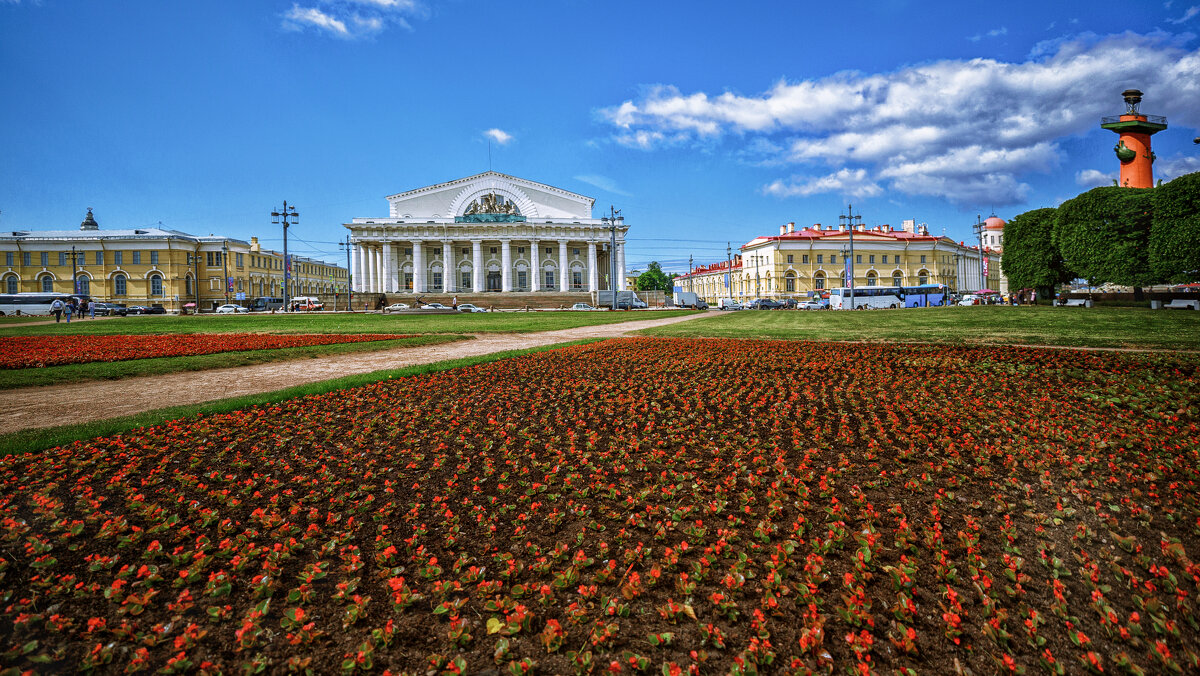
(31, 441)
(1080, 327)
(70, 373)
(491, 322)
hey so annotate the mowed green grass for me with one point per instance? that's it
(490, 322)
(1041, 325)
(73, 373)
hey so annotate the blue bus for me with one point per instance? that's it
(926, 295)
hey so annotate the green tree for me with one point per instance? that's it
(1030, 259)
(654, 279)
(1103, 235)
(1175, 232)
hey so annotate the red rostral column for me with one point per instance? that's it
(1133, 148)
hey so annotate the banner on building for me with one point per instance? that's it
(229, 283)
(985, 266)
(726, 280)
(847, 276)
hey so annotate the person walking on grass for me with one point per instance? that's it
(92, 308)
(56, 309)
(69, 310)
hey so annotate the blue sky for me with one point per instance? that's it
(705, 122)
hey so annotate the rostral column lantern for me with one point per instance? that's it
(1133, 148)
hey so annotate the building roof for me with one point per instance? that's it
(816, 232)
(993, 222)
(721, 266)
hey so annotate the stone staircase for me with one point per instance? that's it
(501, 301)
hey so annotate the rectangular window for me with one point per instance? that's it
(804, 258)
(791, 283)
(858, 258)
(493, 249)
(8, 258)
(466, 252)
(239, 260)
(520, 250)
(549, 250)
(466, 281)
(118, 258)
(922, 259)
(26, 257)
(408, 281)
(62, 258)
(137, 257)
(577, 279)
(575, 252)
(549, 279)
(790, 258)
(153, 258)
(832, 259)
(99, 258)
(870, 281)
(821, 259)
(872, 259)
(522, 280)
(885, 259)
(208, 258)
(408, 251)
(437, 280)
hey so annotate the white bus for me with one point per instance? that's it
(866, 297)
(31, 303)
(266, 303)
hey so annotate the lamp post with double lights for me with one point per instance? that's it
(194, 259)
(349, 273)
(610, 222)
(225, 267)
(977, 228)
(851, 220)
(281, 216)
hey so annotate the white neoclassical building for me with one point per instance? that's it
(488, 232)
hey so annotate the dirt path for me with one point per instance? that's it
(34, 407)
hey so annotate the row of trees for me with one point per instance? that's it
(1127, 236)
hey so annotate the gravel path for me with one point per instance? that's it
(52, 405)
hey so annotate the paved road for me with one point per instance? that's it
(53, 405)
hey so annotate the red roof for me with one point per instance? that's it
(713, 267)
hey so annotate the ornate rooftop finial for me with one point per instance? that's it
(89, 223)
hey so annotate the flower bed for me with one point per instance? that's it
(21, 352)
(667, 506)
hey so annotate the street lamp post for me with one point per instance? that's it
(851, 220)
(225, 267)
(74, 273)
(610, 222)
(281, 217)
(978, 229)
(194, 259)
(729, 269)
(349, 274)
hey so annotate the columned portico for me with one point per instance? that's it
(497, 214)
(506, 265)
(418, 266)
(564, 267)
(355, 257)
(620, 265)
(477, 265)
(449, 283)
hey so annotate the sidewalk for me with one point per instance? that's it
(35, 407)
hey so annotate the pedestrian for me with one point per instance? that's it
(70, 309)
(92, 308)
(56, 309)
(1033, 297)
(454, 303)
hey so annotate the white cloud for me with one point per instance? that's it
(604, 183)
(1187, 14)
(1094, 178)
(994, 33)
(351, 19)
(964, 130)
(853, 182)
(500, 136)
(1167, 169)
(298, 17)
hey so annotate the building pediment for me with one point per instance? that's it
(455, 199)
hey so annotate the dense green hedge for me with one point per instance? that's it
(1030, 259)
(1103, 235)
(1174, 246)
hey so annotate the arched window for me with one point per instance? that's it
(47, 284)
(897, 279)
(84, 285)
(871, 278)
(790, 282)
(923, 277)
(119, 285)
(819, 282)
(156, 285)
(10, 284)
(187, 286)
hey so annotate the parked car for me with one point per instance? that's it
(436, 306)
(138, 310)
(582, 306)
(230, 308)
(157, 309)
(729, 305)
(111, 309)
(789, 303)
(969, 299)
(814, 305)
(395, 307)
(631, 304)
(765, 304)
(468, 307)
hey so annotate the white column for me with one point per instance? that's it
(372, 269)
(506, 265)
(395, 267)
(621, 265)
(385, 268)
(535, 283)
(476, 265)
(564, 269)
(593, 273)
(418, 266)
(449, 283)
(354, 257)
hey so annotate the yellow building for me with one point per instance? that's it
(153, 266)
(800, 263)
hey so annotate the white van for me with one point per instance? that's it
(306, 303)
